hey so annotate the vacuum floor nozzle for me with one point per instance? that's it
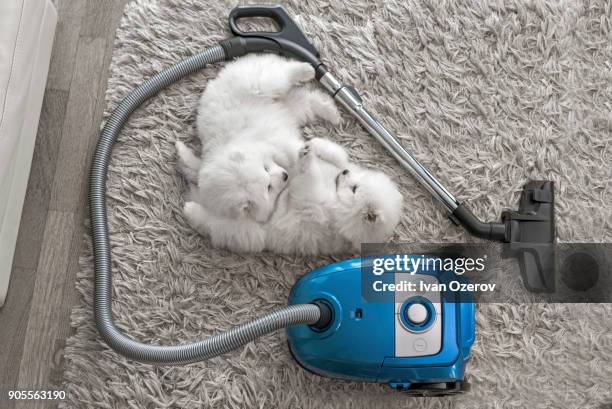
(531, 235)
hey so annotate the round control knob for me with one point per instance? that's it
(416, 313)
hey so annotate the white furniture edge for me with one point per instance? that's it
(9, 226)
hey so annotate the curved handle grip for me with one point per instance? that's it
(288, 30)
(276, 13)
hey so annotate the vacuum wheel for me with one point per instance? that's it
(437, 389)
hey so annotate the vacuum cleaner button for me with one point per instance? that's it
(420, 345)
(416, 313)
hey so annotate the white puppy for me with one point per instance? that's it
(329, 207)
(332, 206)
(249, 122)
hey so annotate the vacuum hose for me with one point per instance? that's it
(113, 336)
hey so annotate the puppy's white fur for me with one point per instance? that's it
(330, 206)
(249, 122)
(333, 206)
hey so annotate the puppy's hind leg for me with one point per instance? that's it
(188, 162)
(310, 104)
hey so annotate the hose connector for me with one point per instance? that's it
(325, 318)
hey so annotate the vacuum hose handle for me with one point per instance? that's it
(287, 29)
(289, 40)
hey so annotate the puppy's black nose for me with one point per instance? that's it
(285, 176)
(345, 172)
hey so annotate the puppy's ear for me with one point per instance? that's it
(371, 215)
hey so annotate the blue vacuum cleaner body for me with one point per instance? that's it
(416, 341)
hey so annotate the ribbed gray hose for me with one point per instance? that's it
(154, 354)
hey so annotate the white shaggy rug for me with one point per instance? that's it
(486, 94)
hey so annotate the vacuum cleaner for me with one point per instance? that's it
(416, 341)
(418, 344)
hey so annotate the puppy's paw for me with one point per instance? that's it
(194, 213)
(327, 110)
(302, 72)
(332, 114)
(181, 148)
(188, 163)
(306, 149)
(191, 210)
(306, 156)
(329, 151)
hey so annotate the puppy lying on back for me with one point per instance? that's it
(249, 122)
(330, 206)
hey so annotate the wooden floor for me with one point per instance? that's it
(34, 322)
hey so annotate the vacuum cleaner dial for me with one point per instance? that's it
(416, 314)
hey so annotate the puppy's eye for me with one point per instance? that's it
(270, 187)
(354, 188)
(267, 169)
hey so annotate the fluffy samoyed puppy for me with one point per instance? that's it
(329, 207)
(249, 121)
